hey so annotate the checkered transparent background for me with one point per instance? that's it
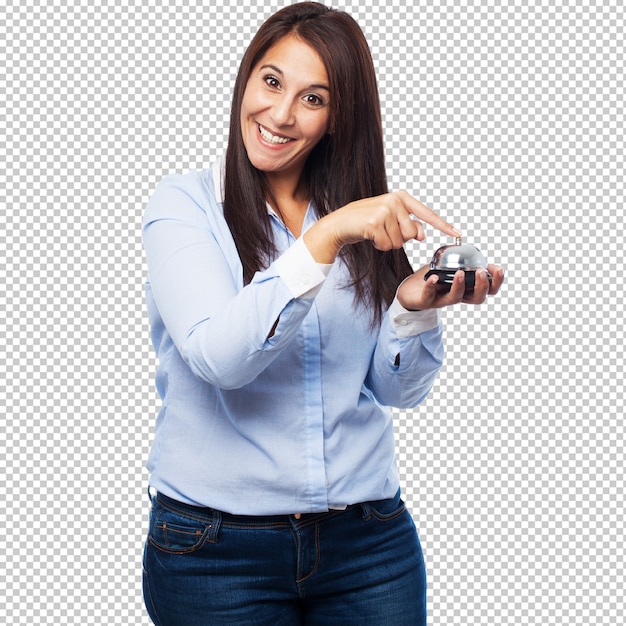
(505, 117)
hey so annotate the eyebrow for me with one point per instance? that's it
(279, 71)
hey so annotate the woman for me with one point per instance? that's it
(286, 317)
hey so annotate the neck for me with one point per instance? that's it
(287, 188)
(290, 200)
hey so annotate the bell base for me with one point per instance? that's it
(446, 276)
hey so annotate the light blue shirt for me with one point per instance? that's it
(257, 425)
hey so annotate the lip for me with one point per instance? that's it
(275, 134)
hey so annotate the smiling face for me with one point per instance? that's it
(285, 109)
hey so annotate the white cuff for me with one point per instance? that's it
(410, 323)
(300, 271)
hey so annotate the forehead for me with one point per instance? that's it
(296, 59)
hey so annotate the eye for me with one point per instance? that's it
(314, 100)
(271, 81)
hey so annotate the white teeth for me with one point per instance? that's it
(273, 138)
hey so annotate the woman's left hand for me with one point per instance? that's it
(418, 294)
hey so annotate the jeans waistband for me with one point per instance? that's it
(208, 514)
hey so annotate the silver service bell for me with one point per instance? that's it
(447, 260)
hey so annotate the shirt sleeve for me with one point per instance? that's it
(302, 274)
(407, 358)
(408, 323)
(226, 332)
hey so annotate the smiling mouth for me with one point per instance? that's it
(275, 139)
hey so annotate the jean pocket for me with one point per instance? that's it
(385, 510)
(174, 532)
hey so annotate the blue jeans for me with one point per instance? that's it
(360, 566)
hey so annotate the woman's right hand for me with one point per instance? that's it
(388, 221)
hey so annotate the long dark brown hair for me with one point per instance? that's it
(346, 165)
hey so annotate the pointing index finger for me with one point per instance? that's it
(430, 217)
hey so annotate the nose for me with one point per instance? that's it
(283, 112)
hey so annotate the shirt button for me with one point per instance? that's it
(404, 322)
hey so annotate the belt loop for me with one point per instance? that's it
(365, 510)
(214, 527)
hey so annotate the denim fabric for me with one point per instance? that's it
(354, 567)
